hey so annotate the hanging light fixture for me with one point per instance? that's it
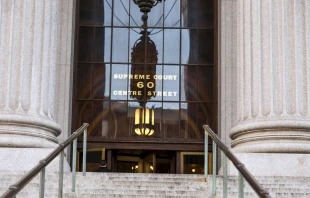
(146, 5)
(144, 121)
(144, 60)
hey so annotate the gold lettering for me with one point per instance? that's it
(140, 85)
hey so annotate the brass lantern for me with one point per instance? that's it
(146, 5)
(143, 68)
(144, 121)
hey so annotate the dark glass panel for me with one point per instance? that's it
(172, 46)
(184, 125)
(99, 45)
(99, 78)
(132, 106)
(190, 13)
(83, 81)
(171, 120)
(86, 12)
(206, 13)
(85, 43)
(119, 116)
(205, 83)
(120, 51)
(189, 93)
(198, 13)
(84, 114)
(100, 119)
(119, 83)
(171, 80)
(193, 164)
(205, 46)
(107, 79)
(192, 49)
(190, 117)
(205, 115)
(99, 12)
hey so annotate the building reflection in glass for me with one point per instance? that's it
(183, 97)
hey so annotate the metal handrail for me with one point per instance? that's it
(260, 191)
(40, 167)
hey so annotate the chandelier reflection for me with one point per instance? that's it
(144, 61)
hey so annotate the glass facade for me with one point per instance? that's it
(172, 72)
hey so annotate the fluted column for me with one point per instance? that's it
(29, 32)
(273, 77)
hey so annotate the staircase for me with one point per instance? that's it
(98, 185)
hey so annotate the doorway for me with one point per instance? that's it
(141, 161)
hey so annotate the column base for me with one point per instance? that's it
(24, 159)
(273, 164)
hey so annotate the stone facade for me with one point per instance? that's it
(272, 82)
(35, 60)
(264, 57)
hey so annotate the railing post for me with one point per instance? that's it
(74, 164)
(61, 174)
(214, 169)
(206, 153)
(225, 178)
(84, 151)
(241, 186)
(42, 183)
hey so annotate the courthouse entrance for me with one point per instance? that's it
(147, 161)
(146, 87)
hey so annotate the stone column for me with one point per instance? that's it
(273, 74)
(29, 79)
(273, 77)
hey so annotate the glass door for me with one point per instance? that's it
(150, 163)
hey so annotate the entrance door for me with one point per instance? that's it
(145, 161)
(150, 163)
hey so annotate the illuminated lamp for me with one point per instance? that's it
(144, 121)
